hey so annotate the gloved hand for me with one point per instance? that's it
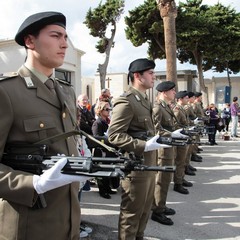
(53, 178)
(153, 145)
(196, 121)
(178, 134)
(192, 128)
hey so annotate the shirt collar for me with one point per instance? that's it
(43, 78)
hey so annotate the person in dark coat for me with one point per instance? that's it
(99, 129)
(226, 115)
(212, 112)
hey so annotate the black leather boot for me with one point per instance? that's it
(179, 188)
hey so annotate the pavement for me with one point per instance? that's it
(210, 212)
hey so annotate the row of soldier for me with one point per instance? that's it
(171, 113)
(36, 107)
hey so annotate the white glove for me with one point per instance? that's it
(192, 128)
(153, 145)
(53, 178)
(196, 121)
(178, 134)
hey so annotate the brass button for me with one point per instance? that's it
(41, 125)
(64, 115)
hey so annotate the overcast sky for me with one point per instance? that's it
(13, 13)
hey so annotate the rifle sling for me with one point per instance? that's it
(65, 135)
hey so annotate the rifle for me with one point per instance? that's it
(161, 140)
(172, 141)
(35, 160)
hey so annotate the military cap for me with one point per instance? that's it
(191, 94)
(141, 64)
(165, 86)
(38, 21)
(181, 94)
(198, 94)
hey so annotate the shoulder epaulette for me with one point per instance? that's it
(8, 75)
(63, 82)
(176, 107)
(125, 94)
(163, 104)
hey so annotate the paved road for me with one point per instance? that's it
(210, 212)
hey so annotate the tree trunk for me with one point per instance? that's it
(198, 58)
(103, 67)
(168, 12)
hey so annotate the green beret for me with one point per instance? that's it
(140, 65)
(181, 94)
(165, 86)
(191, 94)
(38, 21)
(198, 94)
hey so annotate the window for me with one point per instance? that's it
(63, 75)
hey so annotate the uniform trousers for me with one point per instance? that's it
(191, 150)
(137, 198)
(181, 154)
(163, 180)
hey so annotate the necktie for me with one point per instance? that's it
(50, 84)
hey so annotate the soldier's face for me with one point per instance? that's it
(170, 95)
(147, 79)
(49, 47)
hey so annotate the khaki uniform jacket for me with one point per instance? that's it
(190, 113)
(164, 123)
(181, 116)
(30, 113)
(132, 114)
(197, 107)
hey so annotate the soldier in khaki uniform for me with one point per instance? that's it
(164, 123)
(199, 112)
(181, 151)
(190, 170)
(31, 112)
(131, 120)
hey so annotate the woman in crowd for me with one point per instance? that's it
(212, 112)
(99, 129)
(226, 115)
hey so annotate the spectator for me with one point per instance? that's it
(212, 112)
(99, 129)
(87, 118)
(226, 116)
(234, 107)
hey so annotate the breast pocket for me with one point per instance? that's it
(38, 128)
(145, 122)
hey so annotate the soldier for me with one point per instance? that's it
(131, 124)
(181, 151)
(31, 111)
(164, 123)
(199, 112)
(190, 170)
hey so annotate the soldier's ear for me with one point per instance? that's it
(29, 41)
